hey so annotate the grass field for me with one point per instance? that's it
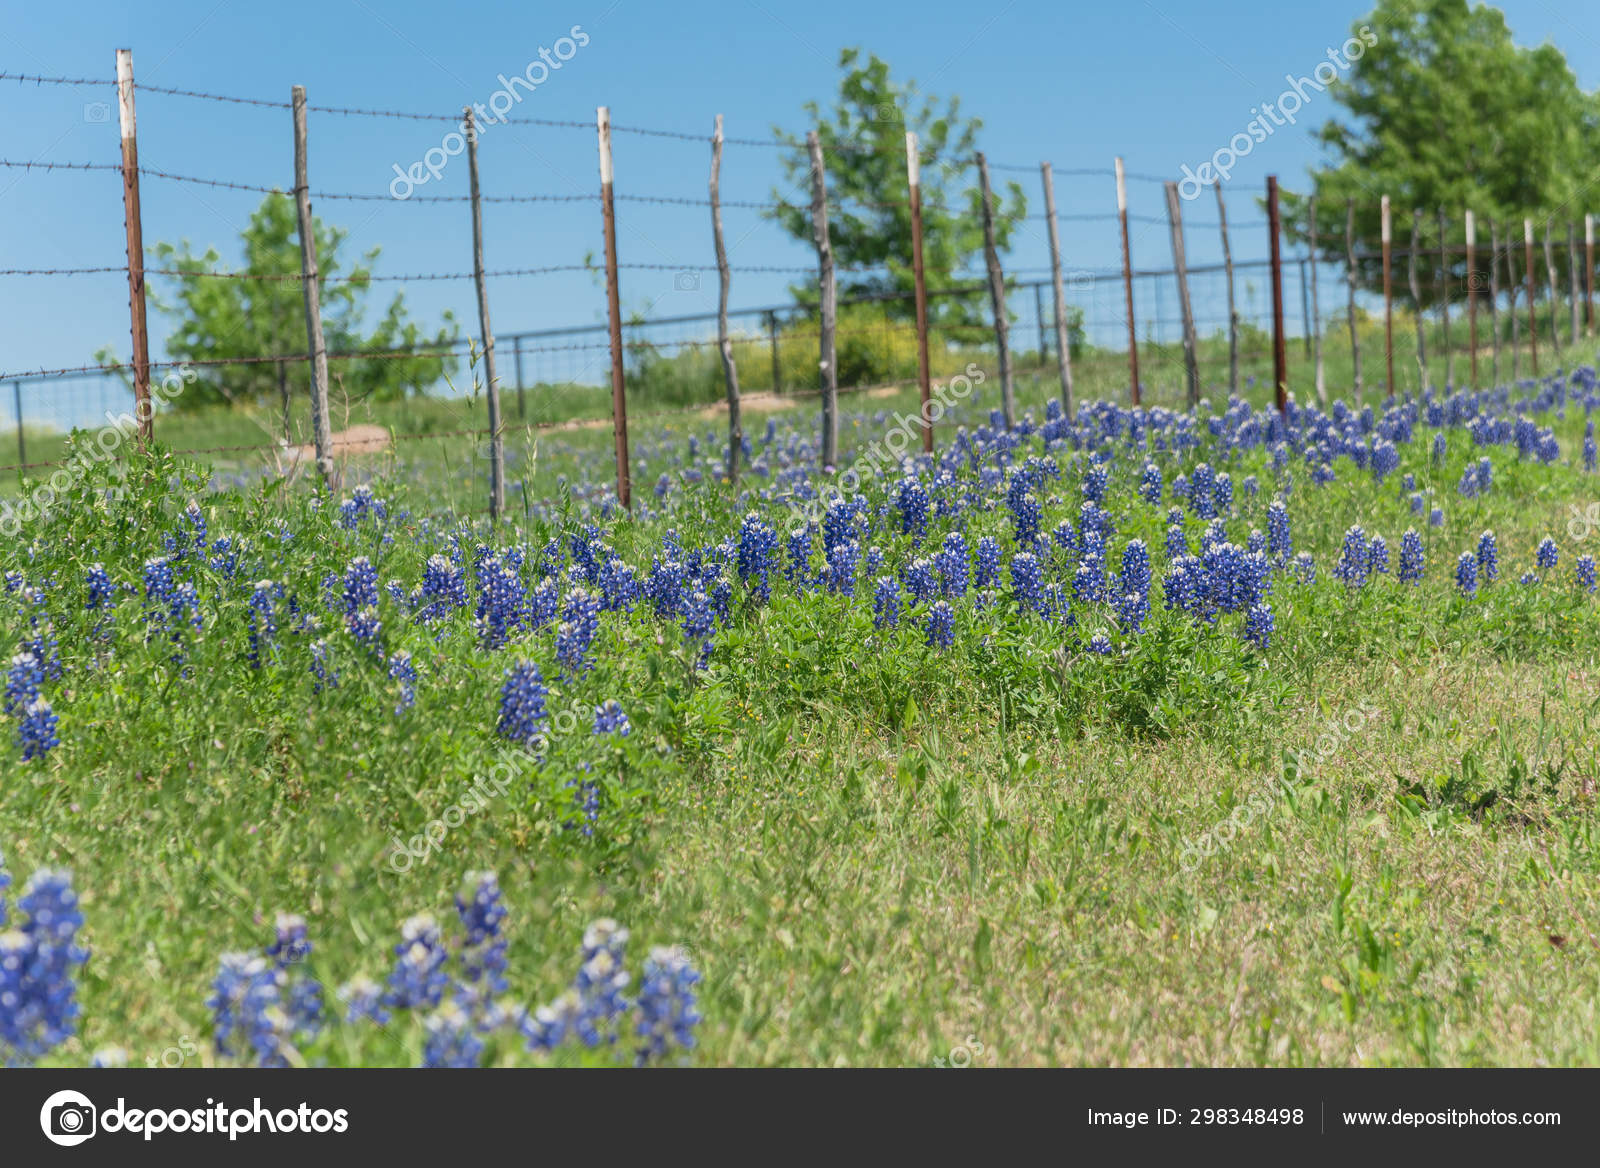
(1366, 836)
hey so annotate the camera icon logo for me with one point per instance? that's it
(1079, 280)
(1477, 281)
(686, 282)
(97, 111)
(68, 1118)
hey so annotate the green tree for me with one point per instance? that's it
(869, 213)
(1444, 110)
(216, 319)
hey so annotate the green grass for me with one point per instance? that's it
(872, 849)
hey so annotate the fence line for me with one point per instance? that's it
(963, 327)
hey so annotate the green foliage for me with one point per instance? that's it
(215, 319)
(1445, 110)
(869, 214)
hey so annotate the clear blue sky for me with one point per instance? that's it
(1161, 83)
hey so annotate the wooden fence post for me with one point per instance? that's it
(1550, 287)
(22, 441)
(1533, 320)
(1572, 279)
(772, 347)
(143, 407)
(619, 390)
(1494, 303)
(828, 362)
(1280, 356)
(1233, 311)
(1127, 280)
(1588, 274)
(1305, 312)
(1350, 287)
(1412, 254)
(997, 297)
(321, 427)
(730, 372)
(497, 469)
(1443, 289)
(522, 398)
(1387, 235)
(918, 277)
(1063, 338)
(1316, 309)
(1513, 290)
(1191, 355)
(1473, 280)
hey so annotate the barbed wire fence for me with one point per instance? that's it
(1044, 327)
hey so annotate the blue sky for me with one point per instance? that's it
(1161, 83)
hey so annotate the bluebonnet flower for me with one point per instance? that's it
(1027, 582)
(798, 568)
(1411, 557)
(443, 590)
(1258, 625)
(1436, 517)
(988, 562)
(360, 585)
(1488, 557)
(1100, 644)
(402, 670)
(248, 1018)
(292, 943)
(418, 978)
(580, 612)
(452, 1041)
(1589, 455)
(951, 564)
(363, 998)
(1252, 486)
(38, 962)
(100, 588)
(911, 499)
(1132, 609)
(1547, 554)
(601, 982)
(842, 560)
(500, 605)
(940, 628)
(1202, 492)
(1378, 555)
(5, 883)
(366, 628)
(1026, 514)
(1089, 579)
(483, 949)
(758, 555)
(886, 603)
(1305, 568)
(667, 1008)
(1528, 579)
(586, 800)
(22, 682)
(522, 708)
(361, 505)
(263, 622)
(1354, 558)
(1222, 493)
(664, 587)
(1280, 544)
(1585, 573)
(36, 732)
(1094, 482)
(618, 588)
(1135, 575)
(1177, 543)
(698, 626)
(1439, 449)
(1416, 503)
(920, 580)
(609, 718)
(326, 678)
(1485, 475)
(1150, 484)
(1467, 574)
(1257, 541)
